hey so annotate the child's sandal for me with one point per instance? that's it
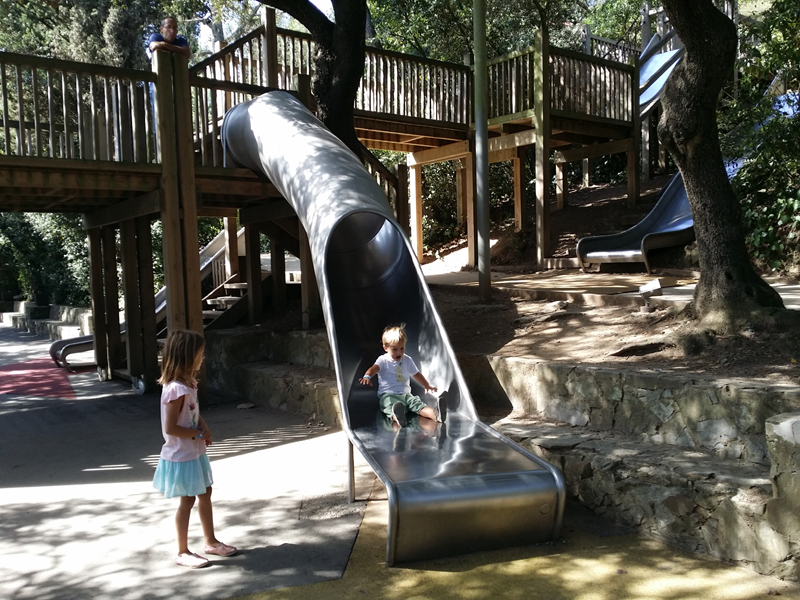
(220, 550)
(191, 560)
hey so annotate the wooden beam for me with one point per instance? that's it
(217, 212)
(78, 180)
(515, 140)
(231, 246)
(561, 186)
(144, 205)
(573, 154)
(96, 290)
(503, 155)
(415, 204)
(614, 132)
(309, 292)
(255, 299)
(520, 201)
(130, 291)
(542, 166)
(441, 154)
(278, 271)
(147, 302)
(277, 209)
(472, 207)
(235, 187)
(111, 294)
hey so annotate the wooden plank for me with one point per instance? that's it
(573, 154)
(561, 186)
(542, 164)
(79, 111)
(37, 126)
(233, 187)
(4, 89)
(441, 154)
(96, 292)
(147, 303)
(277, 209)
(520, 203)
(309, 292)
(278, 270)
(130, 291)
(51, 148)
(72, 66)
(217, 212)
(188, 194)
(144, 205)
(65, 114)
(415, 201)
(402, 206)
(255, 299)
(111, 294)
(21, 150)
(502, 155)
(472, 206)
(170, 210)
(231, 246)
(633, 152)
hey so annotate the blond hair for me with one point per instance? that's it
(179, 356)
(394, 335)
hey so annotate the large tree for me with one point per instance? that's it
(339, 60)
(729, 292)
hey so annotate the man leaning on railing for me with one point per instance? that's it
(168, 39)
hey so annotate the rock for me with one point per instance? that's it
(245, 406)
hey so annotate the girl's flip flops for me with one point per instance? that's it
(220, 550)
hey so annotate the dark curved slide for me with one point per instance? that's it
(453, 488)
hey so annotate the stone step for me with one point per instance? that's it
(691, 499)
(226, 301)
(310, 391)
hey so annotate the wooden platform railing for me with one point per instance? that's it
(64, 109)
(511, 78)
(588, 86)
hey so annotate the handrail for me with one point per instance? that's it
(230, 86)
(72, 66)
(613, 64)
(229, 49)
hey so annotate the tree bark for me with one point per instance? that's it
(339, 61)
(729, 289)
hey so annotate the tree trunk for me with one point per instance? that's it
(339, 61)
(729, 289)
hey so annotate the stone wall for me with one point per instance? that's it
(56, 322)
(725, 417)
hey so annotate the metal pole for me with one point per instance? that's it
(481, 149)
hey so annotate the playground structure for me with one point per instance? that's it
(96, 140)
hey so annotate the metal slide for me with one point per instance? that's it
(461, 487)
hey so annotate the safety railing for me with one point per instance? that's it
(511, 78)
(64, 109)
(587, 86)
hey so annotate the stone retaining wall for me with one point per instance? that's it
(56, 322)
(726, 417)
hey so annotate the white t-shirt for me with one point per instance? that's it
(395, 375)
(181, 449)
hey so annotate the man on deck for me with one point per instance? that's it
(168, 39)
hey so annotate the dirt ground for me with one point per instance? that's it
(619, 337)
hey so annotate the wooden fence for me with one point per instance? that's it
(63, 109)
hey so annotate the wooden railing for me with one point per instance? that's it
(511, 89)
(587, 86)
(410, 86)
(240, 61)
(63, 109)
(211, 99)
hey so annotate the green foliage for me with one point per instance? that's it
(49, 255)
(408, 26)
(618, 19)
(768, 183)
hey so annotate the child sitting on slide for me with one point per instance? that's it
(395, 370)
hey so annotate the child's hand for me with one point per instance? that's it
(365, 381)
(206, 437)
(430, 388)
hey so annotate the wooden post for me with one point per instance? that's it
(561, 186)
(130, 290)
(461, 192)
(470, 200)
(647, 32)
(645, 149)
(520, 203)
(98, 303)
(402, 208)
(231, 246)
(636, 142)
(541, 121)
(188, 193)
(309, 292)
(147, 302)
(278, 271)
(586, 164)
(170, 193)
(415, 181)
(111, 293)
(269, 47)
(255, 299)
(302, 83)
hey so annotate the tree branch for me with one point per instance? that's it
(309, 15)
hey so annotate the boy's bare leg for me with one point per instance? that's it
(428, 413)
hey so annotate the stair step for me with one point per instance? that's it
(212, 314)
(223, 300)
(235, 286)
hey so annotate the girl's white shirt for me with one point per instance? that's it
(177, 449)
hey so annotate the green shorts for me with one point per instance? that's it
(412, 403)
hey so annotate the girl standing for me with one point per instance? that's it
(183, 469)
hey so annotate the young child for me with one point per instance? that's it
(394, 370)
(183, 469)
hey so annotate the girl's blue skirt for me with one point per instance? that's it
(190, 478)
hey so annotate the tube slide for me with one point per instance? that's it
(455, 488)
